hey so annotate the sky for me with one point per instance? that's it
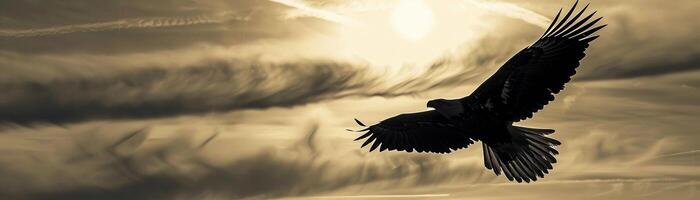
(250, 99)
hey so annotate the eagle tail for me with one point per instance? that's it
(529, 155)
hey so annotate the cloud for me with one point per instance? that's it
(140, 164)
(112, 28)
(221, 85)
(628, 127)
(178, 170)
(633, 45)
(158, 22)
(161, 22)
(681, 153)
(512, 10)
(153, 92)
(306, 10)
(209, 87)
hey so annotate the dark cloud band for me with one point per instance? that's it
(212, 87)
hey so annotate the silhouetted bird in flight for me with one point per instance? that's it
(522, 86)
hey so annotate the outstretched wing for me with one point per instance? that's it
(529, 80)
(423, 132)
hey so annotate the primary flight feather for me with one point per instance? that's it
(522, 86)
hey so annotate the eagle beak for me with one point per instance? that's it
(431, 104)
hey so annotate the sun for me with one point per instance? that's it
(412, 19)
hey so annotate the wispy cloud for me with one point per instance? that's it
(679, 154)
(221, 85)
(177, 169)
(157, 22)
(306, 10)
(512, 10)
(215, 86)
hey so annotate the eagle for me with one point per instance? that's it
(522, 86)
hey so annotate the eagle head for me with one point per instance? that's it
(437, 103)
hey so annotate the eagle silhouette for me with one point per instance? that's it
(522, 86)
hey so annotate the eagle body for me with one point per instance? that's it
(522, 86)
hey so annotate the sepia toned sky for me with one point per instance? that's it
(250, 99)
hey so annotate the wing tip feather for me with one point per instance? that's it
(359, 122)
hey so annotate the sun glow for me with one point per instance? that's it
(407, 33)
(412, 19)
